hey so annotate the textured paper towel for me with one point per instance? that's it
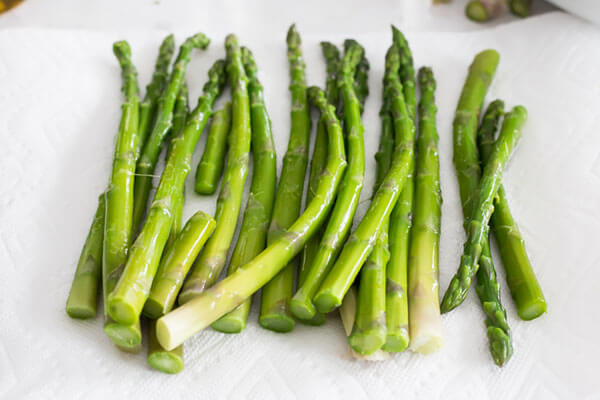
(60, 107)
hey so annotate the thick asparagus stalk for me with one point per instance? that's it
(259, 206)
(274, 308)
(318, 162)
(126, 301)
(484, 10)
(154, 89)
(83, 296)
(340, 221)
(424, 307)
(523, 285)
(520, 8)
(162, 125)
(401, 221)
(210, 263)
(478, 228)
(175, 327)
(361, 241)
(119, 200)
(211, 164)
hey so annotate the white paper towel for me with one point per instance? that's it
(60, 107)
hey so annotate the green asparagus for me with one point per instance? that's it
(162, 124)
(210, 263)
(275, 298)
(126, 301)
(211, 164)
(177, 326)
(520, 8)
(167, 361)
(481, 212)
(259, 206)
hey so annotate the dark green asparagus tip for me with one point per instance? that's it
(231, 43)
(498, 333)
(330, 51)
(198, 41)
(248, 61)
(126, 336)
(476, 11)
(166, 361)
(128, 72)
(216, 75)
(123, 51)
(316, 96)
(426, 79)
(352, 56)
(167, 47)
(293, 37)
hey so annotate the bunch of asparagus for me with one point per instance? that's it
(383, 275)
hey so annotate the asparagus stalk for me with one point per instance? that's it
(478, 228)
(424, 308)
(211, 261)
(162, 124)
(259, 206)
(401, 221)
(154, 89)
(83, 296)
(211, 164)
(346, 202)
(126, 301)
(275, 308)
(169, 278)
(175, 327)
(119, 200)
(361, 75)
(520, 8)
(318, 162)
(523, 285)
(361, 241)
(484, 10)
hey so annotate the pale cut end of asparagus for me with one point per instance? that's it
(426, 334)
(348, 314)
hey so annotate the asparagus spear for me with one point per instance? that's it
(523, 285)
(211, 261)
(83, 296)
(401, 221)
(119, 199)
(318, 161)
(520, 8)
(175, 327)
(154, 89)
(162, 124)
(484, 10)
(424, 308)
(477, 228)
(210, 166)
(126, 301)
(167, 361)
(274, 308)
(361, 75)
(361, 241)
(259, 206)
(346, 202)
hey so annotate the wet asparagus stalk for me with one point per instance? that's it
(182, 323)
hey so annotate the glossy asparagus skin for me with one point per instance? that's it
(340, 220)
(211, 261)
(274, 308)
(259, 206)
(119, 200)
(83, 297)
(423, 284)
(127, 300)
(211, 164)
(361, 241)
(182, 323)
(524, 287)
(478, 229)
(162, 124)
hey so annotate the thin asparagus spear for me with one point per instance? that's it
(275, 298)
(210, 263)
(154, 89)
(361, 75)
(520, 8)
(340, 220)
(401, 221)
(259, 206)
(183, 322)
(83, 296)
(318, 162)
(483, 207)
(523, 285)
(484, 10)
(362, 240)
(119, 200)
(168, 281)
(488, 288)
(127, 300)
(424, 307)
(210, 166)
(162, 125)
